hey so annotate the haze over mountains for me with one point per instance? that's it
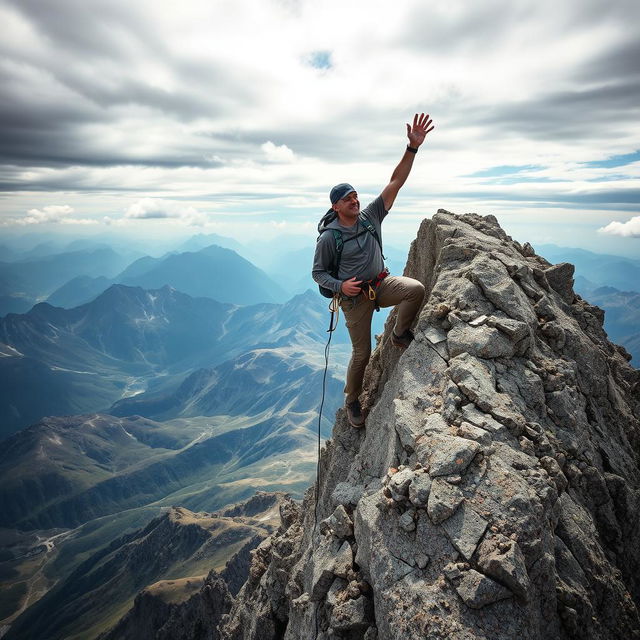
(24, 282)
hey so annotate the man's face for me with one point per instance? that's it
(348, 207)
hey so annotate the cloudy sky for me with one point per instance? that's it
(237, 116)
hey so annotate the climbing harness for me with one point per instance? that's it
(370, 287)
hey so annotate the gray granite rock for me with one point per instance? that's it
(343, 561)
(471, 432)
(476, 379)
(465, 528)
(444, 499)
(480, 419)
(339, 523)
(419, 489)
(400, 481)
(352, 615)
(322, 570)
(447, 455)
(560, 278)
(407, 520)
(346, 494)
(405, 423)
(478, 591)
(335, 593)
(422, 560)
(482, 341)
(501, 558)
(434, 423)
(478, 321)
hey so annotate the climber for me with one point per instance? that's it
(349, 264)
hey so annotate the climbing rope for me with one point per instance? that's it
(334, 308)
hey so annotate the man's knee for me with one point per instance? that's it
(415, 289)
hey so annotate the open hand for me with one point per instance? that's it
(351, 287)
(421, 126)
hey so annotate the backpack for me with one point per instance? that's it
(334, 267)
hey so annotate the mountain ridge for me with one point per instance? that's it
(177, 546)
(129, 337)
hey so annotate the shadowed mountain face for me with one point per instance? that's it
(622, 315)
(212, 272)
(66, 361)
(23, 283)
(78, 291)
(49, 469)
(63, 472)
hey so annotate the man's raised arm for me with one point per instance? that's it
(417, 133)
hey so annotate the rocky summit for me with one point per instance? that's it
(494, 493)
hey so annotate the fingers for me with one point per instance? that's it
(421, 121)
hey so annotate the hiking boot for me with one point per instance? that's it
(354, 414)
(402, 341)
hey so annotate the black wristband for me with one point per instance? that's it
(412, 149)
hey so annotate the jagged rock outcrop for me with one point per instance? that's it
(155, 616)
(494, 493)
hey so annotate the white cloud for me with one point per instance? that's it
(149, 208)
(628, 229)
(156, 208)
(277, 154)
(50, 214)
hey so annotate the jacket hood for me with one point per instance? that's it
(326, 220)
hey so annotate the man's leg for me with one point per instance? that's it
(358, 320)
(407, 293)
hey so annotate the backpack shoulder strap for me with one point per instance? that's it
(368, 225)
(337, 236)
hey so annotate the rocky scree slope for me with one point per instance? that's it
(494, 493)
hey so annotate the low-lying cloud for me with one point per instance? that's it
(158, 209)
(50, 214)
(628, 229)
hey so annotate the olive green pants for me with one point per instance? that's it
(407, 293)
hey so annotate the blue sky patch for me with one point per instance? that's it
(615, 161)
(320, 59)
(503, 170)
